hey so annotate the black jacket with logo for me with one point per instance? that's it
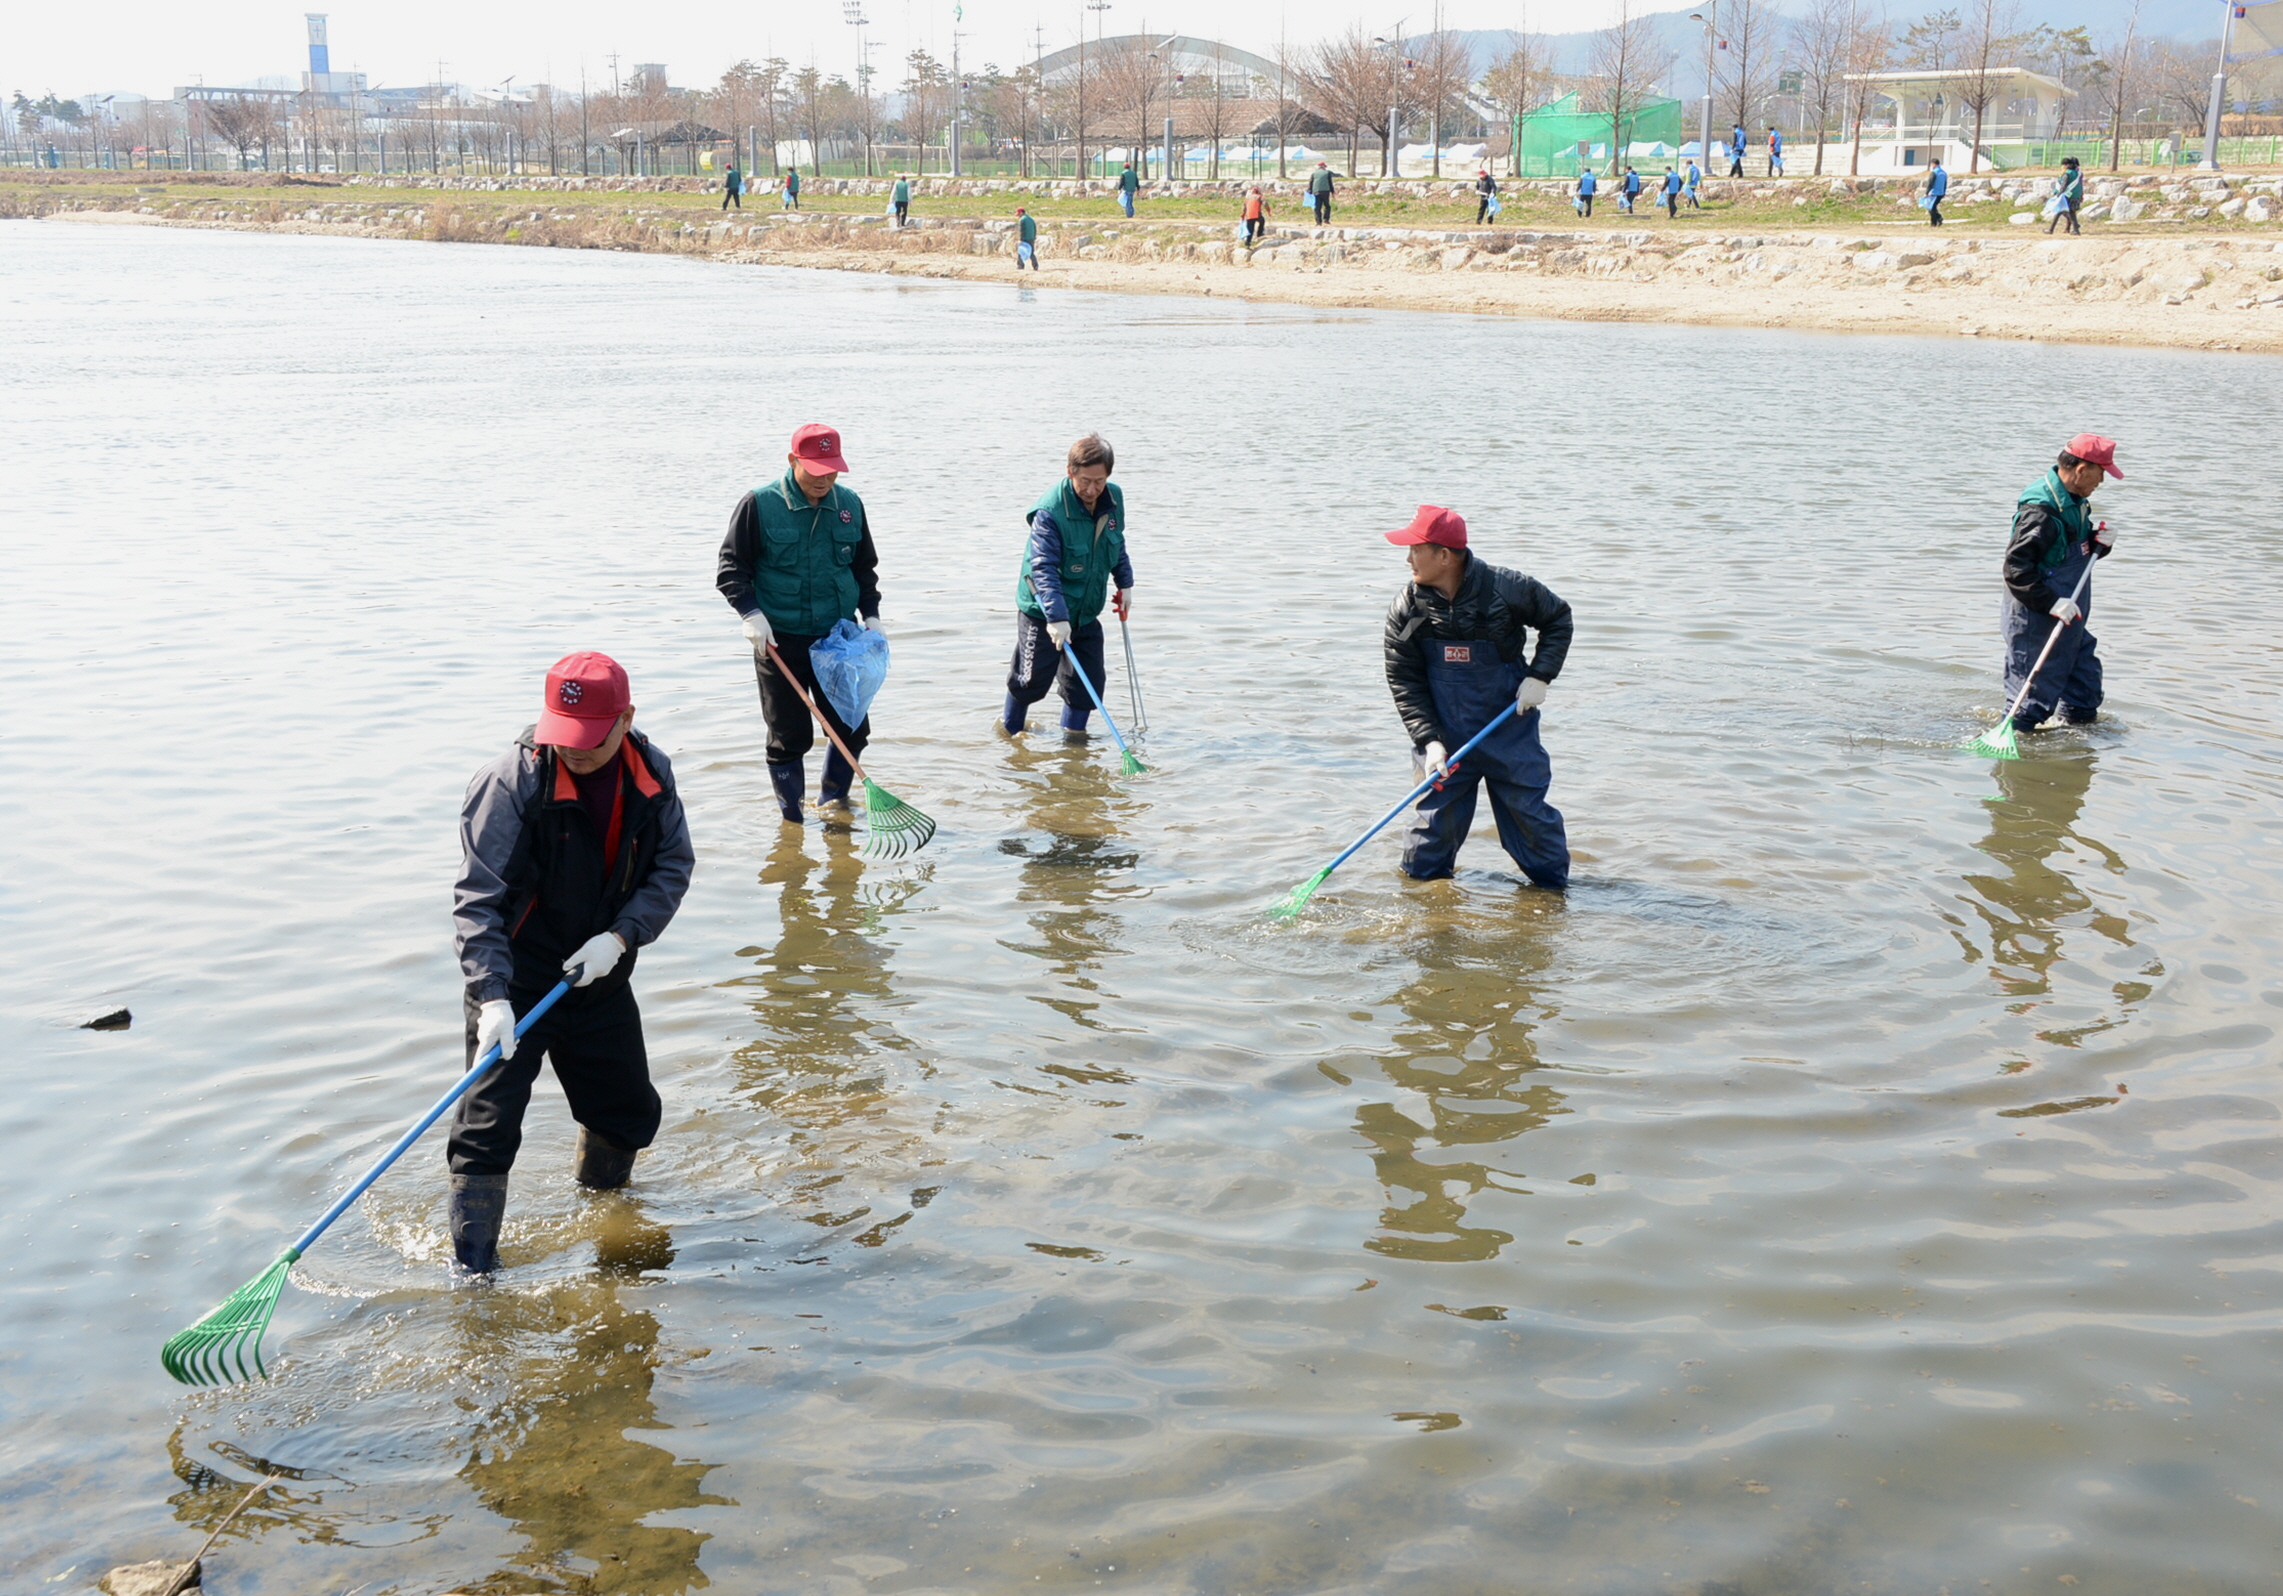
(1500, 606)
(532, 885)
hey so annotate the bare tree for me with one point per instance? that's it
(927, 99)
(1215, 97)
(1868, 49)
(1439, 76)
(1627, 60)
(1753, 30)
(1824, 41)
(1930, 44)
(1346, 80)
(1128, 76)
(808, 112)
(1515, 83)
(1993, 29)
(2121, 82)
(243, 122)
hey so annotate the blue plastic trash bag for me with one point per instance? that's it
(850, 664)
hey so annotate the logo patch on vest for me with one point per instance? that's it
(847, 515)
(570, 692)
(1458, 653)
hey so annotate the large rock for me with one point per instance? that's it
(146, 1579)
(2125, 209)
(2259, 210)
(2022, 218)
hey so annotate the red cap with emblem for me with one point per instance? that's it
(586, 693)
(1433, 524)
(818, 447)
(2094, 449)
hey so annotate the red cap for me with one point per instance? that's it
(2094, 449)
(819, 446)
(1433, 524)
(585, 694)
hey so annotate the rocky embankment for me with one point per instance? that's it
(2176, 285)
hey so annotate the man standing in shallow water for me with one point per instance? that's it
(2055, 539)
(798, 560)
(574, 853)
(1457, 648)
(1074, 550)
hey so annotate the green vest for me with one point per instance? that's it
(903, 193)
(2076, 520)
(1092, 542)
(802, 581)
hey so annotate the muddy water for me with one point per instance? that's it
(1867, 1179)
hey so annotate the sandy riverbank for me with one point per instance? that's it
(2220, 291)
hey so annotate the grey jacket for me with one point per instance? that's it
(532, 884)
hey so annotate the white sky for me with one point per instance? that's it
(146, 47)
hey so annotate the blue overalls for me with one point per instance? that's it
(2071, 680)
(1471, 684)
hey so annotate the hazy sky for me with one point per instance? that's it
(148, 47)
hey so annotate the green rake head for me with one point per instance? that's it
(1297, 899)
(893, 828)
(1997, 743)
(1129, 765)
(215, 1350)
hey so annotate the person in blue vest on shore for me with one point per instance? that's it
(2055, 539)
(1631, 189)
(1075, 552)
(797, 561)
(1775, 150)
(1736, 150)
(1586, 184)
(1695, 177)
(1458, 653)
(1937, 185)
(1672, 193)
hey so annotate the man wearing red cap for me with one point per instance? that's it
(1458, 652)
(574, 853)
(2055, 540)
(799, 559)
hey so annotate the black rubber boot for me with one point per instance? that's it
(479, 1203)
(1074, 718)
(790, 781)
(602, 1165)
(832, 786)
(1014, 717)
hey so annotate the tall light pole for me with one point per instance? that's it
(2211, 161)
(1704, 132)
(958, 88)
(1391, 164)
(1097, 7)
(852, 12)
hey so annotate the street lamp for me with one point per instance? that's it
(1392, 164)
(1704, 132)
(852, 12)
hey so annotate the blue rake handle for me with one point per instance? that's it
(1079, 671)
(1450, 768)
(459, 1089)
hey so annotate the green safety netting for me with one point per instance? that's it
(1560, 137)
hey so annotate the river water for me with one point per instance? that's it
(1869, 1178)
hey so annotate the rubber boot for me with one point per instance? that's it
(832, 786)
(479, 1203)
(601, 1164)
(1014, 717)
(1074, 719)
(790, 781)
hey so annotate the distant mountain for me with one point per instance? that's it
(2193, 21)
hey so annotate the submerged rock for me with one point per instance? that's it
(116, 1020)
(148, 1579)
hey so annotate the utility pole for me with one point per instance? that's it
(1704, 136)
(1097, 7)
(853, 11)
(2211, 161)
(958, 89)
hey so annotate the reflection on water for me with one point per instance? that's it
(1076, 868)
(557, 1460)
(1469, 1057)
(2028, 913)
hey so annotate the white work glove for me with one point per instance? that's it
(1431, 760)
(2105, 538)
(1530, 694)
(1125, 602)
(757, 632)
(2065, 611)
(1059, 632)
(496, 1023)
(872, 623)
(600, 955)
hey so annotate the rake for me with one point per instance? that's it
(893, 828)
(2000, 741)
(1129, 765)
(225, 1347)
(1292, 902)
(1133, 674)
